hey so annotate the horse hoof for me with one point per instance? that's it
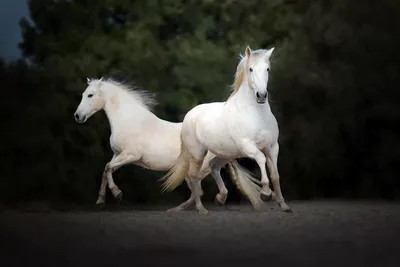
(176, 209)
(119, 197)
(265, 197)
(203, 211)
(288, 210)
(220, 200)
(285, 208)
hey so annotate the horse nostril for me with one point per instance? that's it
(258, 95)
(76, 116)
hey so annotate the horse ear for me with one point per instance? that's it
(269, 53)
(101, 79)
(247, 52)
(88, 80)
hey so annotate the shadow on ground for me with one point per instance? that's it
(316, 234)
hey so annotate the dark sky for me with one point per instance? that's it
(10, 13)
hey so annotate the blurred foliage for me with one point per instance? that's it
(333, 89)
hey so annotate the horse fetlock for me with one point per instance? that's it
(117, 193)
(266, 193)
(100, 203)
(100, 199)
(266, 189)
(221, 197)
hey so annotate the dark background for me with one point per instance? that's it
(333, 88)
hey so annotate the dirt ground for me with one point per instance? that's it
(315, 234)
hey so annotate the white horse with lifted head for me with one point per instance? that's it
(243, 126)
(139, 137)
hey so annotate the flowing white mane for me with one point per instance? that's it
(145, 98)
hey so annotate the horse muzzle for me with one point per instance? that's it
(261, 97)
(79, 118)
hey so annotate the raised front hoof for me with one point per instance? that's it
(220, 199)
(265, 197)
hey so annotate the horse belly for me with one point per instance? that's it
(161, 151)
(116, 146)
(157, 161)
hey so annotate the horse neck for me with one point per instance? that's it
(121, 108)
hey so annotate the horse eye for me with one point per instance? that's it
(268, 69)
(251, 69)
(90, 95)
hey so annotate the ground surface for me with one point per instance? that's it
(316, 234)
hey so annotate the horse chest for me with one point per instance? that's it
(260, 130)
(262, 138)
(116, 148)
(120, 143)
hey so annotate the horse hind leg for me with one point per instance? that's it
(185, 204)
(194, 185)
(251, 151)
(193, 182)
(196, 154)
(196, 188)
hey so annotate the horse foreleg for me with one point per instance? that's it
(115, 163)
(272, 163)
(251, 151)
(185, 204)
(101, 199)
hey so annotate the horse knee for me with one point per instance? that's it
(106, 168)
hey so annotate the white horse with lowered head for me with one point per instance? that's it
(139, 137)
(243, 126)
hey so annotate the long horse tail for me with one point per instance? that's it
(246, 183)
(178, 172)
